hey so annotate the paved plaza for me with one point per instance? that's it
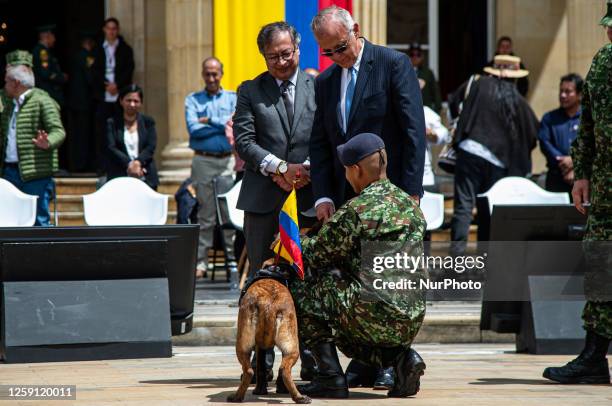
(457, 374)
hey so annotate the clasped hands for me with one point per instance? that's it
(135, 169)
(287, 180)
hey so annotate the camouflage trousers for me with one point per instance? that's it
(597, 315)
(329, 309)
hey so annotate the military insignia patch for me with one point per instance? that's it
(44, 55)
(90, 60)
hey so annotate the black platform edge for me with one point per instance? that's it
(86, 352)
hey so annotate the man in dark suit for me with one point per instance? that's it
(272, 125)
(112, 70)
(370, 89)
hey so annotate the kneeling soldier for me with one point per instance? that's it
(332, 309)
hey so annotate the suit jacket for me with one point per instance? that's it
(118, 159)
(386, 102)
(124, 68)
(261, 127)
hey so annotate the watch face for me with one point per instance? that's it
(282, 168)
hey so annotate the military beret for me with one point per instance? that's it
(606, 21)
(359, 147)
(45, 28)
(19, 57)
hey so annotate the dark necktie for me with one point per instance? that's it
(285, 93)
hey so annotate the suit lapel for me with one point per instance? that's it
(365, 67)
(272, 91)
(336, 81)
(301, 97)
(141, 133)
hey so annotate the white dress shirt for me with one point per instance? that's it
(109, 50)
(433, 121)
(130, 139)
(344, 81)
(11, 145)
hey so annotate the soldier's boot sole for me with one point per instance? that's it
(587, 380)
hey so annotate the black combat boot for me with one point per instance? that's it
(591, 366)
(309, 365)
(330, 381)
(360, 374)
(269, 364)
(408, 368)
(384, 379)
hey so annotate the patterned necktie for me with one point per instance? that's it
(350, 90)
(286, 94)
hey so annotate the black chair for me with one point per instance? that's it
(221, 185)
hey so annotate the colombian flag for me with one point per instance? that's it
(237, 22)
(289, 244)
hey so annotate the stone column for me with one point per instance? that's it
(131, 16)
(189, 39)
(372, 18)
(585, 35)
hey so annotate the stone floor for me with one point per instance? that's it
(467, 374)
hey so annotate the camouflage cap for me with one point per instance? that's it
(606, 21)
(19, 57)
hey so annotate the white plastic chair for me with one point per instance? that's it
(432, 206)
(517, 190)
(17, 209)
(125, 201)
(229, 199)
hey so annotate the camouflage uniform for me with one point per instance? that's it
(332, 306)
(592, 157)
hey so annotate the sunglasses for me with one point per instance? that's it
(340, 49)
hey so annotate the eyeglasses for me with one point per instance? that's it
(340, 49)
(285, 56)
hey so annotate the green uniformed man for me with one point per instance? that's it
(47, 71)
(430, 90)
(81, 107)
(337, 303)
(592, 157)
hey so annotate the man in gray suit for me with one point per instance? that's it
(272, 125)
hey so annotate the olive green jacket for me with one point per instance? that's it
(38, 112)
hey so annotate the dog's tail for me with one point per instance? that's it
(267, 326)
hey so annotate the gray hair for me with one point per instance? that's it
(22, 74)
(212, 58)
(332, 13)
(269, 31)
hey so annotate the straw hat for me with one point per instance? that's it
(508, 66)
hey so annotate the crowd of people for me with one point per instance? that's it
(356, 145)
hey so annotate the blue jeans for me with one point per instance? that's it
(43, 188)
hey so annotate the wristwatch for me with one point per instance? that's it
(282, 168)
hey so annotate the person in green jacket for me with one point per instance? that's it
(30, 133)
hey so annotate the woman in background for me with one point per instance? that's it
(131, 140)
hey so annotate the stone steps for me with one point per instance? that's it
(70, 193)
(437, 328)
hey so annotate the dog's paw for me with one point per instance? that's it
(234, 398)
(303, 400)
(260, 391)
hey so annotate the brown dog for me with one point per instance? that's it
(267, 318)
